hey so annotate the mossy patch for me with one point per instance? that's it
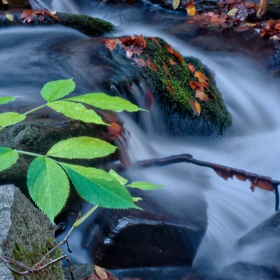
(92, 27)
(29, 258)
(172, 91)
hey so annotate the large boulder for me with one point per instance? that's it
(26, 235)
(167, 232)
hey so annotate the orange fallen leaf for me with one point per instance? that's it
(101, 272)
(110, 44)
(169, 87)
(190, 8)
(191, 67)
(202, 78)
(200, 94)
(166, 69)
(114, 131)
(170, 49)
(151, 65)
(261, 8)
(48, 13)
(178, 56)
(195, 107)
(172, 62)
(195, 84)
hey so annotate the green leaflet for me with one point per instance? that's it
(7, 99)
(99, 187)
(135, 199)
(81, 147)
(57, 89)
(106, 102)
(121, 179)
(76, 111)
(48, 185)
(144, 186)
(10, 118)
(8, 157)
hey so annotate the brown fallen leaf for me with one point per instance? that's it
(195, 107)
(169, 87)
(141, 62)
(114, 131)
(175, 4)
(151, 65)
(172, 62)
(178, 56)
(261, 8)
(200, 94)
(129, 53)
(110, 44)
(191, 67)
(195, 84)
(48, 13)
(166, 69)
(101, 272)
(170, 49)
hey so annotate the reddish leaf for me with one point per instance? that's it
(170, 49)
(191, 67)
(166, 69)
(223, 172)
(151, 65)
(26, 13)
(195, 84)
(169, 87)
(172, 62)
(48, 13)
(110, 44)
(240, 177)
(126, 40)
(114, 131)
(178, 56)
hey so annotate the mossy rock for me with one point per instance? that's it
(169, 80)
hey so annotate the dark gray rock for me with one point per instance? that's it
(80, 271)
(166, 233)
(26, 234)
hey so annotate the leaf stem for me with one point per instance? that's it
(35, 109)
(84, 217)
(28, 153)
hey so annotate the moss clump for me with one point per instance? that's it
(171, 88)
(29, 258)
(92, 27)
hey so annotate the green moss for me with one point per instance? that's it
(29, 258)
(214, 115)
(92, 27)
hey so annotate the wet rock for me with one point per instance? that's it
(262, 244)
(16, 4)
(26, 234)
(80, 271)
(90, 26)
(37, 134)
(170, 229)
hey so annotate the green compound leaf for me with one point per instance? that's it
(106, 102)
(57, 89)
(48, 185)
(8, 157)
(144, 186)
(81, 147)
(7, 99)
(10, 118)
(99, 187)
(121, 179)
(76, 111)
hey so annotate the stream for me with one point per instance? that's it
(28, 60)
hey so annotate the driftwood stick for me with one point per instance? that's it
(263, 182)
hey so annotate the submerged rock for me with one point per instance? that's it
(26, 235)
(167, 232)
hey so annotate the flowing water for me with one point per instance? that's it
(28, 61)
